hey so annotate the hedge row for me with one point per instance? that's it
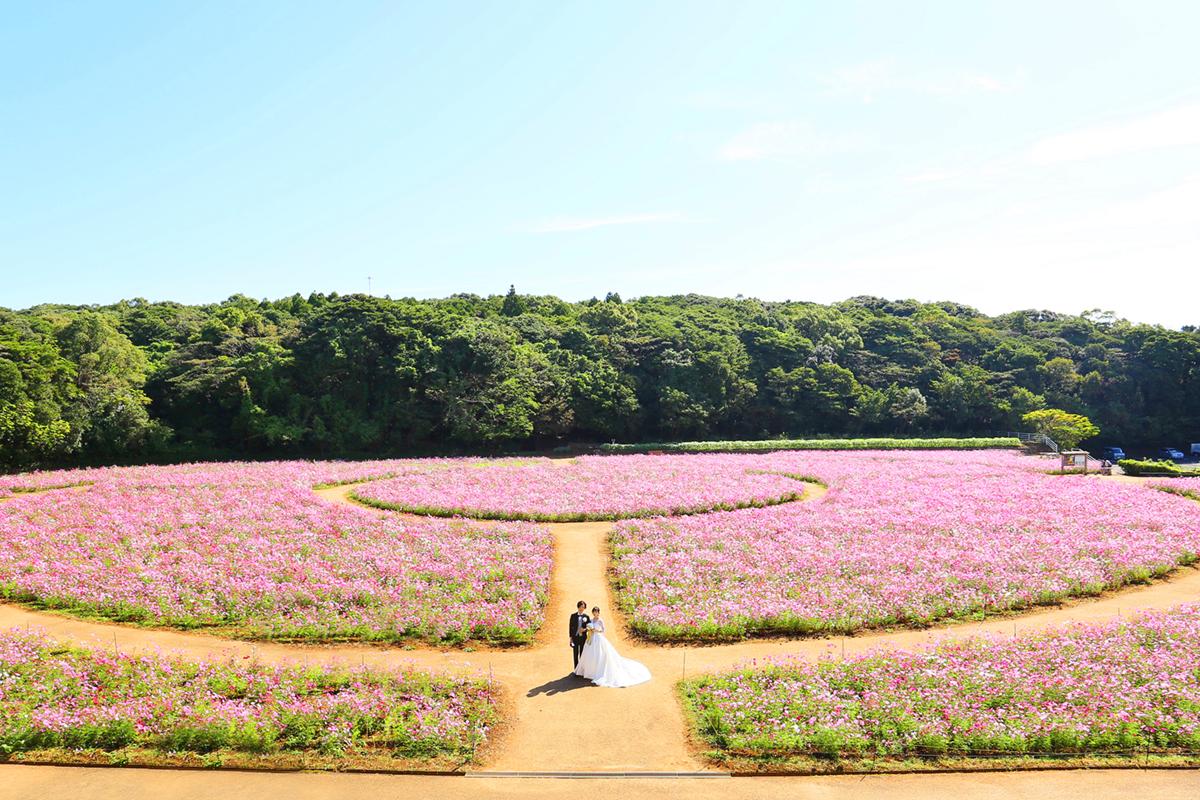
(1159, 469)
(978, 443)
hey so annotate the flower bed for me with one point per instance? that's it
(1187, 487)
(56, 698)
(1125, 688)
(248, 549)
(586, 488)
(299, 473)
(900, 539)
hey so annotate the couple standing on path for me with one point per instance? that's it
(595, 657)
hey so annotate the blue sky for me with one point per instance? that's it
(1006, 155)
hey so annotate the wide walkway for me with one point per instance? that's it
(75, 783)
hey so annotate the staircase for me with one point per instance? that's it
(1035, 442)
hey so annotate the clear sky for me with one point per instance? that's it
(1006, 155)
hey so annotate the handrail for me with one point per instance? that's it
(1035, 438)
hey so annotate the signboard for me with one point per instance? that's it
(1074, 459)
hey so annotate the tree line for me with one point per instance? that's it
(330, 375)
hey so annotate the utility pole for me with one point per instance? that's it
(368, 284)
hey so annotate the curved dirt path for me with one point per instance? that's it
(561, 723)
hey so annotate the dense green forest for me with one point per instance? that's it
(355, 375)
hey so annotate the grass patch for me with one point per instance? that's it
(37, 489)
(745, 764)
(1190, 494)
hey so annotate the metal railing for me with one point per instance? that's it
(1035, 438)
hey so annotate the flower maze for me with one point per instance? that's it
(425, 596)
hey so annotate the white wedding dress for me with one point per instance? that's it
(603, 665)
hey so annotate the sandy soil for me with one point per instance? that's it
(559, 722)
(71, 783)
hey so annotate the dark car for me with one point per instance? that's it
(1112, 454)
(1170, 454)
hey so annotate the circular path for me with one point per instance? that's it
(559, 723)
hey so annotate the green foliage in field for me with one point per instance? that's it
(342, 375)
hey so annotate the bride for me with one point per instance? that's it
(602, 664)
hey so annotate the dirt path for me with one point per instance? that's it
(79, 487)
(72, 783)
(558, 722)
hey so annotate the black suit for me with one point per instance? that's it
(577, 630)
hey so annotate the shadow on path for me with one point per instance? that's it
(567, 683)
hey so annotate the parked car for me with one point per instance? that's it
(1112, 454)
(1170, 454)
(1196, 450)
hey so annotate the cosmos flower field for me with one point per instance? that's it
(248, 549)
(586, 488)
(61, 698)
(703, 547)
(1120, 688)
(900, 539)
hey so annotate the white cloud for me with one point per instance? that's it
(974, 175)
(731, 100)
(871, 78)
(1170, 128)
(784, 140)
(934, 176)
(571, 224)
(1174, 127)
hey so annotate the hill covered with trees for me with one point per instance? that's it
(354, 375)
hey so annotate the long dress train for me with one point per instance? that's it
(604, 666)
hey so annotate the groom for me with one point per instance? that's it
(578, 629)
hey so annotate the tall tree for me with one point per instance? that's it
(346, 375)
(36, 386)
(109, 416)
